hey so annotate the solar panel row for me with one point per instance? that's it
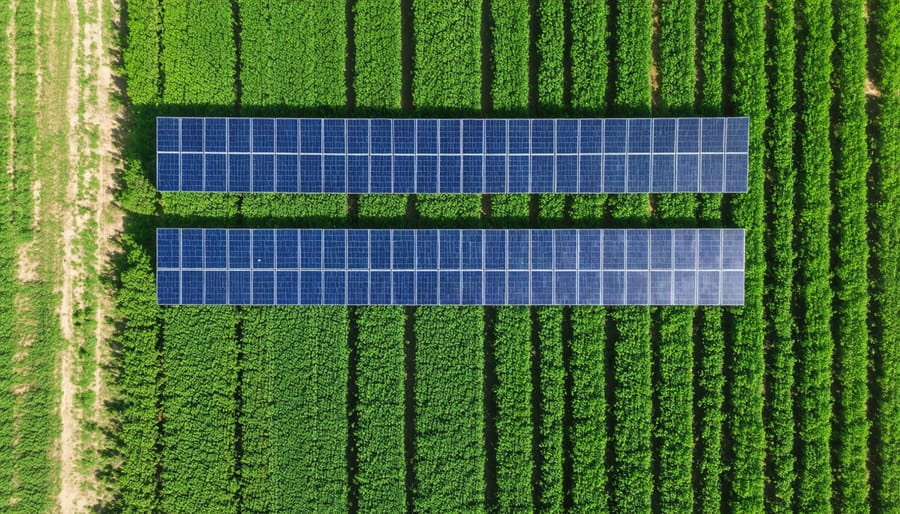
(451, 267)
(357, 155)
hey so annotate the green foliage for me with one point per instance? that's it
(590, 58)
(381, 473)
(512, 354)
(449, 459)
(885, 230)
(815, 345)
(200, 378)
(509, 55)
(745, 402)
(136, 304)
(633, 57)
(852, 255)
(7, 274)
(552, 380)
(141, 51)
(550, 38)
(378, 69)
(292, 54)
(447, 55)
(198, 54)
(781, 270)
(294, 412)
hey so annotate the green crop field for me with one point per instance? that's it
(789, 403)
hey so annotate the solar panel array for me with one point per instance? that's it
(450, 267)
(358, 155)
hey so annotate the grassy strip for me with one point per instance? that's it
(199, 409)
(673, 423)
(780, 240)
(7, 273)
(815, 345)
(587, 362)
(381, 470)
(852, 254)
(198, 53)
(631, 410)
(449, 460)
(550, 39)
(136, 297)
(512, 327)
(509, 56)
(295, 375)
(745, 423)
(378, 69)
(292, 55)
(381, 473)
(885, 214)
(139, 381)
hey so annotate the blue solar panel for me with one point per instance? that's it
(380, 131)
(263, 135)
(567, 136)
(639, 131)
(542, 136)
(473, 137)
(286, 136)
(450, 267)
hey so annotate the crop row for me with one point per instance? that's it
(815, 345)
(851, 251)
(781, 269)
(885, 22)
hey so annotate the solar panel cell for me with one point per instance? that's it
(567, 136)
(263, 173)
(473, 136)
(263, 287)
(737, 135)
(192, 134)
(638, 290)
(519, 141)
(239, 173)
(238, 135)
(518, 288)
(239, 288)
(449, 249)
(168, 172)
(286, 173)
(663, 174)
(311, 136)
(358, 136)
(381, 136)
(613, 173)
(335, 287)
(263, 135)
(426, 174)
(542, 136)
(472, 293)
(216, 248)
(286, 287)
(638, 173)
(542, 173)
(664, 135)
(168, 287)
(591, 136)
(639, 131)
(311, 287)
(358, 288)
(192, 250)
(380, 288)
(613, 287)
(473, 176)
(713, 135)
(615, 136)
(451, 173)
(332, 179)
(566, 174)
(168, 131)
(216, 288)
(426, 136)
(404, 136)
(451, 132)
(495, 288)
(541, 288)
(215, 175)
(358, 173)
(450, 288)
(286, 135)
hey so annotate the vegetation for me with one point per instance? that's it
(583, 408)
